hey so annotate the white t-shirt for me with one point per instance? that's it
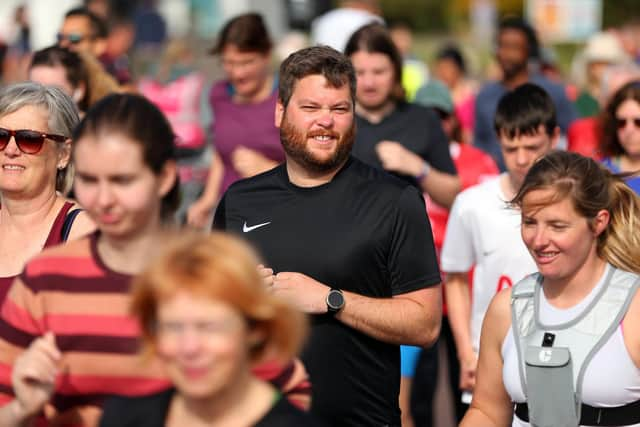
(484, 231)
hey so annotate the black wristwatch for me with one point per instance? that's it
(335, 301)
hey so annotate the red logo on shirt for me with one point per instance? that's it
(504, 282)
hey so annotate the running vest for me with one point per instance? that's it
(553, 358)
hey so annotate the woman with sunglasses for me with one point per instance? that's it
(621, 142)
(70, 308)
(245, 138)
(35, 173)
(206, 314)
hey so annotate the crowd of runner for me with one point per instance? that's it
(292, 245)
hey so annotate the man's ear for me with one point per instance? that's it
(279, 114)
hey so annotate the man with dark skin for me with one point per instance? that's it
(516, 52)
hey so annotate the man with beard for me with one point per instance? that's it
(343, 241)
(402, 138)
(517, 51)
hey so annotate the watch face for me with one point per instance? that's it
(335, 300)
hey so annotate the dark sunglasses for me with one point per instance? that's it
(28, 141)
(71, 38)
(622, 123)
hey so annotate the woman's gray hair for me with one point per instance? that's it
(62, 112)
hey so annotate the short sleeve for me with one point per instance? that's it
(438, 155)
(220, 217)
(412, 259)
(457, 254)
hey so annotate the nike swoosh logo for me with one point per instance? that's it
(246, 229)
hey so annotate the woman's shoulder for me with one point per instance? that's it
(81, 225)
(498, 318)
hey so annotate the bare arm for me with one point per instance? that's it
(491, 405)
(249, 162)
(441, 187)
(459, 314)
(412, 318)
(200, 210)
(33, 378)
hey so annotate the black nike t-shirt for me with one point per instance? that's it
(415, 127)
(364, 232)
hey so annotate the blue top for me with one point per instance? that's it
(613, 165)
(484, 136)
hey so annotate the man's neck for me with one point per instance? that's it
(375, 115)
(509, 186)
(263, 92)
(302, 177)
(516, 80)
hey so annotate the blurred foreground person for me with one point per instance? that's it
(67, 338)
(125, 180)
(563, 343)
(205, 312)
(35, 153)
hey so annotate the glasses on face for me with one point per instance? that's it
(621, 123)
(28, 141)
(72, 38)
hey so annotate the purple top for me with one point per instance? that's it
(249, 125)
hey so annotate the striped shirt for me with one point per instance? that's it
(69, 290)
